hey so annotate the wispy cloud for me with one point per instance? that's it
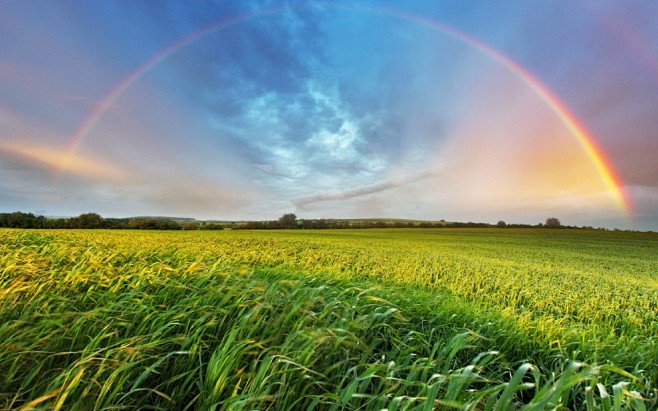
(334, 195)
(58, 160)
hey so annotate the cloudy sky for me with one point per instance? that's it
(469, 111)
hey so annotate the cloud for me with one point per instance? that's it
(59, 161)
(87, 183)
(266, 53)
(379, 187)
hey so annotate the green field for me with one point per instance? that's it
(481, 319)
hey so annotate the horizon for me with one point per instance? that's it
(415, 109)
(493, 224)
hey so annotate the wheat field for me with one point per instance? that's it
(473, 319)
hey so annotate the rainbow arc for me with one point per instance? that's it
(576, 129)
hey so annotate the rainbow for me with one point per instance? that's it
(100, 108)
(584, 138)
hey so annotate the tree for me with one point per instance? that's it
(288, 221)
(150, 223)
(552, 222)
(212, 226)
(501, 224)
(18, 219)
(90, 220)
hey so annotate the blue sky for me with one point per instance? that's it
(351, 109)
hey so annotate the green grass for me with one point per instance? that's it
(368, 319)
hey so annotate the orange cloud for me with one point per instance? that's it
(59, 161)
(514, 151)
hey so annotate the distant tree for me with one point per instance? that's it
(288, 221)
(73, 222)
(115, 223)
(153, 224)
(552, 222)
(143, 223)
(212, 226)
(501, 224)
(55, 223)
(18, 219)
(89, 220)
(190, 226)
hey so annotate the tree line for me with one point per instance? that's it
(85, 221)
(287, 221)
(290, 221)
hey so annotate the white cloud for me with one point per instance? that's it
(340, 145)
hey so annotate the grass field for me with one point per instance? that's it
(480, 319)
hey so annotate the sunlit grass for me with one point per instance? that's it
(464, 319)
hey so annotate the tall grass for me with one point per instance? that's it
(106, 321)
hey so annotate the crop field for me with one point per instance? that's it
(422, 319)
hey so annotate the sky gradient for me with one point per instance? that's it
(454, 110)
